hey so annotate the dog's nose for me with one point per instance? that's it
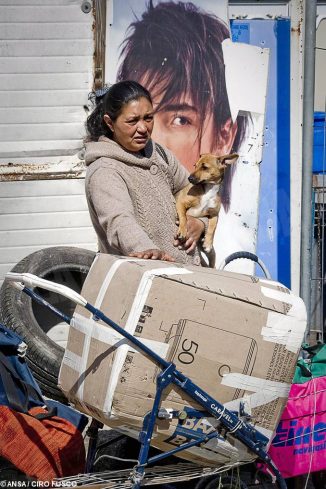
(192, 179)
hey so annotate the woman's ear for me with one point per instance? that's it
(108, 122)
(227, 136)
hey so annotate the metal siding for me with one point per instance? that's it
(33, 12)
(49, 133)
(39, 147)
(58, 64)
(46, 81)
(37, 115)
(39, 214)
(46, 74)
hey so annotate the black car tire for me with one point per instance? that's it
(31, 321)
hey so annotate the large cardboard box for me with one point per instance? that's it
(236, 336)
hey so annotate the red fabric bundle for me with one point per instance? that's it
(41, 448)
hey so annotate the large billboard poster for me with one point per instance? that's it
(209, 94)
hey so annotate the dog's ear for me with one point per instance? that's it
(228, 159)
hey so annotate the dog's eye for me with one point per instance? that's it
(204, 167)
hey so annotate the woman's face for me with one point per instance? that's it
(178, 125)
(133, 127)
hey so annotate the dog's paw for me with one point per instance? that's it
(182, 234)
(181, 237)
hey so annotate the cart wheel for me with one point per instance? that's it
(248, 256)
(38, 326)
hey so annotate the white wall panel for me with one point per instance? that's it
(52, 47)
(44, 81)
(34, 115)
(38, 2)
(40, 132)
(75, 219)
(64, 235)
(59, 64)
(38, 147)
(46, 51)
(36, 189)
(25, 205)
(39, 214)
(53, 98)
(47, 11)
(45, 31)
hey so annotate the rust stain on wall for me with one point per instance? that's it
(298, 28)
(12, 172)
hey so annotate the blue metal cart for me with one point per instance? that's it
(231, 424)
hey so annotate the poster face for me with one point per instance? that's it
(209, 95)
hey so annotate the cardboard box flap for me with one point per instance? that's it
(118, 271)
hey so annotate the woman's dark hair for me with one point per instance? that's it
(111, 101)
(176, 49)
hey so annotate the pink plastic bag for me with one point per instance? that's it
(299, 445)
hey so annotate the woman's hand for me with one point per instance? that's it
(195, 228)
(152, 255)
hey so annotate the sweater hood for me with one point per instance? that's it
(107, 148)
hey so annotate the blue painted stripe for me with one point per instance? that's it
(283, 29)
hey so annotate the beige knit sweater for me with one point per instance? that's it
(131, 199)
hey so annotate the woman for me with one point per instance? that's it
(131, 181)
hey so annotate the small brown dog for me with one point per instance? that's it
(201, 197)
